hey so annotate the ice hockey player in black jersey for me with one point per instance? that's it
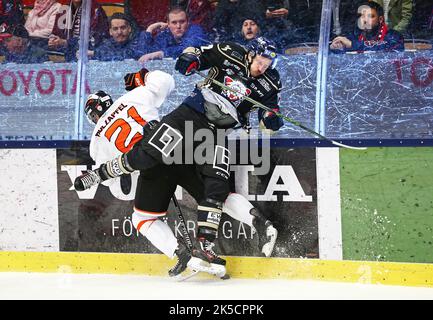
(249, 72)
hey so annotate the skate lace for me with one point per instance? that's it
(90, 179)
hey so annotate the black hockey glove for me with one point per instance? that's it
(187, 63)
(134, 80)
(270, 119)
(244, 120)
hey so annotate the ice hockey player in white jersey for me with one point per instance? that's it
(119, 125)
(122, 123)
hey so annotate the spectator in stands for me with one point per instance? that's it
(397, 13)
(173, 36)
(250, 30)
(18, 47)
(11, 12)
(40, 20)
(122, 44)
(66, 30)
(229, 14)
(371, 33)
(147, 12)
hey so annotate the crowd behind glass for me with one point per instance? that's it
(49, 30)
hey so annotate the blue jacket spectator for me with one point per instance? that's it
(173, 37)
(371, 34)
(229, 15)
(18, 47)
(111, 50)
(123, 43)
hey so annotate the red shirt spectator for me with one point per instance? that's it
(201, 12)
(67, 25)
(11, 12)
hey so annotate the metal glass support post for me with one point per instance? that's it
(80, 95)
(322, 67)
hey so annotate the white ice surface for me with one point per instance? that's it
(98, 286)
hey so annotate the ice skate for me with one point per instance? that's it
(183, 254)
(204, 259)
(196, 260)
(207, 247)
(87, 180)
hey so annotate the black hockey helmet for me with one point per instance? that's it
(96, 105)
(263, 47)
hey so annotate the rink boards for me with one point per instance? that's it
(363, 272)
(373, 213)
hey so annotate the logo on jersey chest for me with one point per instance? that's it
(231, 66)
(239, 89)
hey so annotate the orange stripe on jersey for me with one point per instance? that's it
(147, 213)
(140, 224)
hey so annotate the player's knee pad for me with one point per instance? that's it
(155, 230)
(208, 218)
(239, 208)
(142, 220)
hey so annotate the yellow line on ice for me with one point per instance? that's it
(367, 272)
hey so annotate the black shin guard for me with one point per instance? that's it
(208, 219)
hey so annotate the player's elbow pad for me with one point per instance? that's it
(160, 83)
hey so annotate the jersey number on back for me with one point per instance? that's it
(125, 131)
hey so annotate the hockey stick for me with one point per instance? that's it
(292, 121)
(182, 224)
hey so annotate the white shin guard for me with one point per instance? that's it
(157, 232)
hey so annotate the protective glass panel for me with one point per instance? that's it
(297, 65)
(37, 86)
(37, 101)
(381, 72)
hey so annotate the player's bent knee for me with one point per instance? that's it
(142, 220)
(216, 189)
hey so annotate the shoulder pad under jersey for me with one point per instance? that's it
(274, 76)
(233, 50)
